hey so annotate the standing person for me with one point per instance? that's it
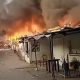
(66, 68)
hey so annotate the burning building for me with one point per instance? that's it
(30, 17)
(34, 18)
(58, 43)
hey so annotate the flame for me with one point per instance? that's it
(29, 28)
(72, 21)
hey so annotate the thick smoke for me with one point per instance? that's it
(56, 10)
(13, 11)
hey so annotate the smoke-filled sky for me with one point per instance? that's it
(56, 10)
(13, 11)
(52, 12)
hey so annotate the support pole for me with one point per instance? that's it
(51, 46)
(52, 56)
(35, 55)
(36, 60)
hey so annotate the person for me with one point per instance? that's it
(66, 68)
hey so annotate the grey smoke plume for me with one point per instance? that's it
(12, 11)
(7, 2)
(54, 10)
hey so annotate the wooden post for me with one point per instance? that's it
(51, 46)
(35, 55)
(52, 56)
(36, 60)
(46, 65)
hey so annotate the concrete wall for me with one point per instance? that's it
(44, 49)
(75, 43)
(23, 53)
(30, 56)
(61, 46)
(58, 48)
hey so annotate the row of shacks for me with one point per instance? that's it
(59, 44)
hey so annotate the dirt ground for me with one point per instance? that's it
(12, 68)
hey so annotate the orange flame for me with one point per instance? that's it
(33, 27)
(66, 20)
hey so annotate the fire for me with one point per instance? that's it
(29, 28)
(35, 29)
(36, 25)
(66, 20)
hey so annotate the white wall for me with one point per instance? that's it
(58, 48)
(30, 56)
(61, 46)
(75, 43)
(44, 49)
(23, 53)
